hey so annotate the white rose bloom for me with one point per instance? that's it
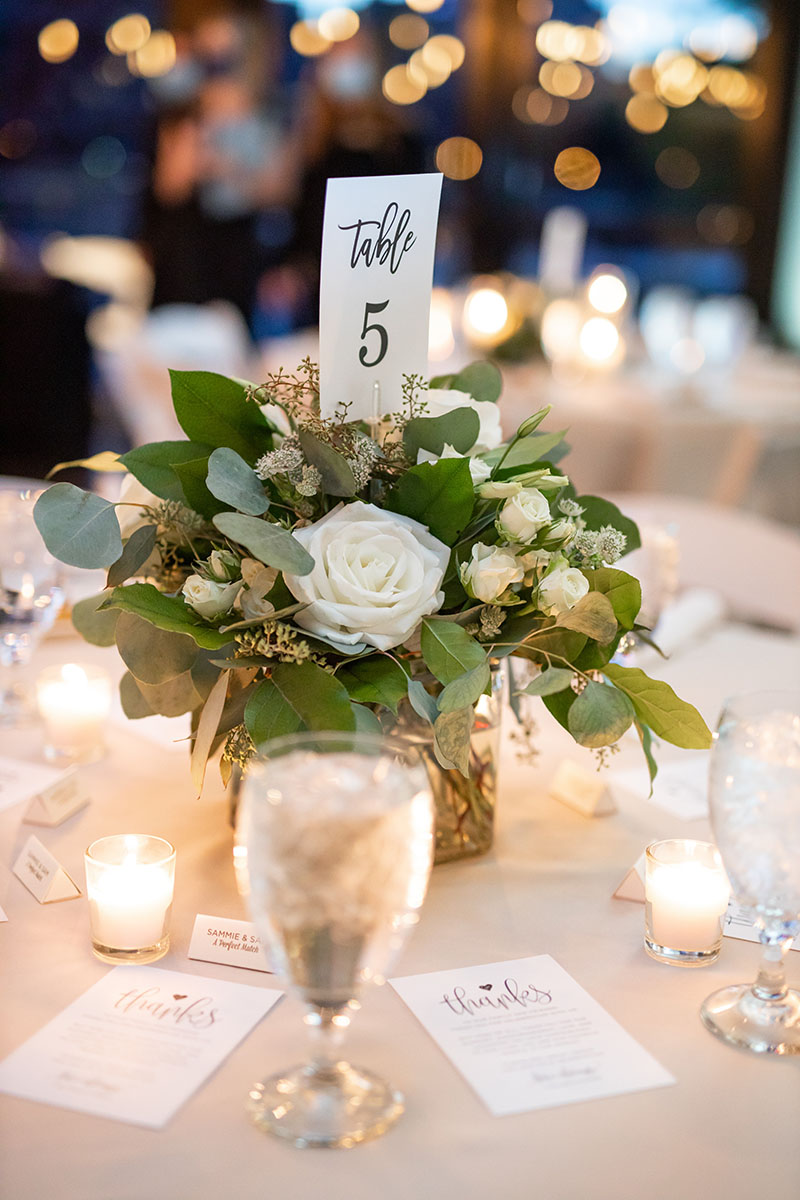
(523, 515)
(489, 572)
(376, 575)
(133, 497)
(443, 400)
(562, 589)
(478, 469)
(208, 598)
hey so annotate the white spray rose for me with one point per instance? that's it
(523, 515)
(258, 580)
(561, 590)
(223, 566)
(208, 598)
(499, 490)
(489, 572)
(478, 469)
(444, 400)
(134, 496)
(376, 575)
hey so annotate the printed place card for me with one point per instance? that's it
(43, 875)
(53, 794)
(525, 1035)
(136, 1045)
(582, 790)
(680, 788)
(232, 943)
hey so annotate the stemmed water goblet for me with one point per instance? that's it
(755, 813)
(334, 850)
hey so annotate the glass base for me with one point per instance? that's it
(339, 1105)
(145, 954)
(739, 1017)
(680, 958)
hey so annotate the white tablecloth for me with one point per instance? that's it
(727, 1130)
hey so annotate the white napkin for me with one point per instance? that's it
(696, 612)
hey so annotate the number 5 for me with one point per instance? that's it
(369, 309)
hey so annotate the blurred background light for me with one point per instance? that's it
(607, 292)
(128, 34)
(58, 41)
(577, 168)
(459, 158)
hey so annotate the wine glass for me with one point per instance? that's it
(755, 812)
(31, 595)
(334, 849)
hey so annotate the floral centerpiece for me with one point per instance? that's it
(280, 571)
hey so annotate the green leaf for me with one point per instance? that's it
(192, 478)
(441, 381)
(559, 704)
(133, 702)
(592, 615)
(366, 721)
(94, 624)
(646, 738)
(135, 553)
(172, 698)
(154, 466)
(656, 705)
(452, 733)
(207, 729)
(337, 474)
(560, 643)
(214, 410)
(554, 679)
(448, 650)
(270, 543)
(297, 696)
(153, 655)
(600, 715)
(422, 702)
(524, 454)
(375, 680)
(598, 512)
(106, 460)
(481, 380)
(624, 592)
(459, 429)
(464, 691)
(234, 482)
(78, 527)
(440, 495)
(166, 612)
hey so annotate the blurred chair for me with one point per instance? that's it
(753, 563)
(133, 364)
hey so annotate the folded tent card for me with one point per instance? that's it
(52, 795)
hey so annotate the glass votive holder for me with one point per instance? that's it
(74, 702)
(130, 879)
(686, 898)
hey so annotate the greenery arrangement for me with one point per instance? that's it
(279, 571)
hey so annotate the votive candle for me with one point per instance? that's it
(129, 885)
(74, 703)
(686, 897)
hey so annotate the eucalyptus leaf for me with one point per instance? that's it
(449, 651)
(133, 702)
(270, 543)
(153, 655)
(623, 590)
(297, 696)
(458, 428)
(172, 698)
(481, 380)
(439, 495)
(78, 527)
(154, 465)
(207, 729)
(656, 705)
(337, 474)
(464, 691)
(422, 702)
(234, 482)
(592, 615)
(192, 478)
(166, 612)
(554, 679)
(95, 625)
(214, 410)
(452, 733)
(366, 721)
(105, 460)
(375, 680)
(135, 553)
(600, 715)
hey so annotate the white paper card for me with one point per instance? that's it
(3, 916)
(525, 1035)
(740, 923)
(233, 943)
(43, 875)
(632, 886)
(54, 794)
(581, 789)
(136, 1045)
(680, 788)
(378, 242)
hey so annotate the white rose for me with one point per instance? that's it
(523, 515)
(478, 469)
(133, 498)
(562, 589)
(209, 598)
(376, 575)
(445, 400)
(489, 572)
(258, 580)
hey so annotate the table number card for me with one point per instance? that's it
(53, 795)
(525, 1035)
(378, 242)
(136, 1045)
(232, 943)
(43, 875)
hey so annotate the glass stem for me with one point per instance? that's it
(327, 1027)
(770, 986)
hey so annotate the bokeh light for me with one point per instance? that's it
(425, 6)
(306, 39)
(103, 157)
(58, 41)
(560, 330)
(401, 86)
(408, 31)
(459, 158)
(339, 24)
(607, 293)
(645, 113)
(577, 168)
(725, 224)
(156, 57)
(128, 34)
(445, 43)
(677, 167)
(599, 339)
